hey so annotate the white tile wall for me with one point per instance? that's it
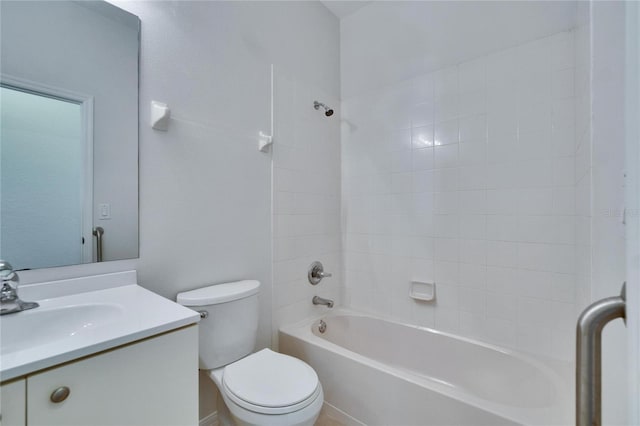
(583, 169)
(306, 203)
(467, 177)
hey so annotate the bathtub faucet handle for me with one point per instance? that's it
(316, 273)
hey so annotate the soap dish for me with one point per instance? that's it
(423, 291)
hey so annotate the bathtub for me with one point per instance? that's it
(381, 372)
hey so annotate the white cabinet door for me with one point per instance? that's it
(12, 403)
(153, 382)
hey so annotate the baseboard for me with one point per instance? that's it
(339, 415)
(210, 420)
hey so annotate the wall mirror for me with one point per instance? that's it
(68, 133)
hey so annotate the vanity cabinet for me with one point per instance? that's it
(13, 403)
(149, 382)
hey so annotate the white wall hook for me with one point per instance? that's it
(264, 142)
(160, 115)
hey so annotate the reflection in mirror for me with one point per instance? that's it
(39, 134)
(68, 132)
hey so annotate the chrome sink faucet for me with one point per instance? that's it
(9, 300)
(322, 301)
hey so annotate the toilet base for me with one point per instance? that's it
(224, 415)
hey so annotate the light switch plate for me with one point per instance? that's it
(104, 211)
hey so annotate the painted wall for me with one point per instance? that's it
(632, 192)
(100, 62)
(390, 41)
(607, 22)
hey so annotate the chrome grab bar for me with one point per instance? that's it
(588, 357)
(98, 232)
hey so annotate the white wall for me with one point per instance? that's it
(214, 59)
(306, 161)
(96, 55)
(583, 173)
(608, 163)
(465, 177)
(390, 41)
(632, 191)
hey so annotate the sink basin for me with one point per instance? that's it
(42, 326)
(83, 316)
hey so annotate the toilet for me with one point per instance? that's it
(262, 388)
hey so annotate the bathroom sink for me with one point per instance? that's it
(81, 317)
(42, 326)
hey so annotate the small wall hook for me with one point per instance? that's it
(264, 142)
(160, 115)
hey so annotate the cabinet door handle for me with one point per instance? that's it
(60, 394)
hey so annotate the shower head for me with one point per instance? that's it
(327, 111)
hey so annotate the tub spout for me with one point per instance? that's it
(321, 301)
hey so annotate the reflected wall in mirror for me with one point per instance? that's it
(68, 132)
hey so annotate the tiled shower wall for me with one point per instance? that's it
(466, 177)
(306, 200)
(583, 156)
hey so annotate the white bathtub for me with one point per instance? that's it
(385, 373)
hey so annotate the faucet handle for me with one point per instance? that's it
(10, 281)
(316, 273)
(8, 275)
(9, 300)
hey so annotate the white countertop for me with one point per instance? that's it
(75, 325)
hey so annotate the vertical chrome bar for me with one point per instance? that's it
(98, 232)
(588, 357)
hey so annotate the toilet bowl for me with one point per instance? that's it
(263, 388)
(268, 388)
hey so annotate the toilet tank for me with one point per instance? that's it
(229, 327)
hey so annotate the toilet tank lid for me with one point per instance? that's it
(219, 293)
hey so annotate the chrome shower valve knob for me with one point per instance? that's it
(316, 273)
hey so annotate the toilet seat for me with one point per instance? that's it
(267, 382)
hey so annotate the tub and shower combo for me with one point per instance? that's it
(376, 371)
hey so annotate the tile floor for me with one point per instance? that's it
(326, 420)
